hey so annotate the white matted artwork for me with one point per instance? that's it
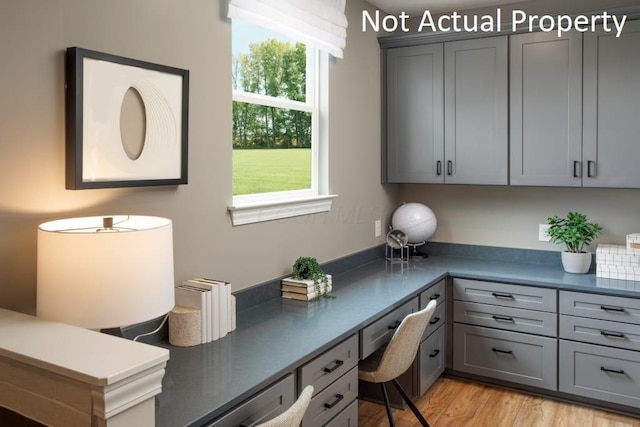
(127, 122)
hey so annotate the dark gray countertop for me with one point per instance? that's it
(275, 337)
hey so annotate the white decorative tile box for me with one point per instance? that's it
(617, 262)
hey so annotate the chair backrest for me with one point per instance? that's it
(292, 417)
(403, 347)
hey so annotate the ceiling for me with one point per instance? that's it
(417, 7)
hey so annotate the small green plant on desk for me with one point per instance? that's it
(574, 231)
(307, 268)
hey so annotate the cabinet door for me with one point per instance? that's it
(611, 105)
(546, 109)
(511, 356)
(414, 114)
(603, 373)
(261, 407)
(476, 111)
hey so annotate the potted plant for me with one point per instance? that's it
(575, 232)
(307, 282)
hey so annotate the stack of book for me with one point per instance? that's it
(304, 290)
(216, 304)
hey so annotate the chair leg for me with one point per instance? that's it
(386, 404)
(413, 407)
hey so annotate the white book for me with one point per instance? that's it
(224, 303)
(233, 313)
(214, 301)
(190, 298)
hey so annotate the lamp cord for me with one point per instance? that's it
(156, 330)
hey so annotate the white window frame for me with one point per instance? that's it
(252, 208)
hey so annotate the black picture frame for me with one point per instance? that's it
(103, 92)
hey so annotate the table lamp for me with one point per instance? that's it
(105, 272)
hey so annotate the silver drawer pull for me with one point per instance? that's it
(336, 365)
(502, 318)
(612, 334)
(616, 309)
(434, 321)
(395, 325)
(497, 350)
(339, 397)
(613, 371)
(435, 353)
(500, 295)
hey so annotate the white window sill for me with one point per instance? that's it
(249, 213)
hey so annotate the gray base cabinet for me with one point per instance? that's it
(506, 332)
(263, 406)
(334, 377)
(602, 373)
(509, 356)
(432, 359)
(600, 347)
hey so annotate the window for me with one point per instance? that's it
(279, 147)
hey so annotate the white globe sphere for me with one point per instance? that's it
(416, 220)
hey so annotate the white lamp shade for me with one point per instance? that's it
(96, 278)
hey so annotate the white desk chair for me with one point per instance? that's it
(388, 363)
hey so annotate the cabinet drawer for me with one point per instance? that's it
(512, 319)
(332, 400)
(503, 294)
(346, 418)
(432, 352)
(603, 307)
(377, 334)
(329, 366)
(598, 372)
(604, 332)
(510, 356)
(436, 292)
(438, 319)
(262, 407)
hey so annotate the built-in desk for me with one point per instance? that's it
(278, 336)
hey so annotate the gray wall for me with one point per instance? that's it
(191, 34)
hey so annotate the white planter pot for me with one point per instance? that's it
(577, 263)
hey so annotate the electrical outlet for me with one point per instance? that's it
(542, 233)
(378, 228)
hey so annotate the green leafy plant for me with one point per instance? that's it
(574, 231)
(307, 268)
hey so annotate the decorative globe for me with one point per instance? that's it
(416, 220)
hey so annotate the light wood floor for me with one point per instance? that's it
(457, 403)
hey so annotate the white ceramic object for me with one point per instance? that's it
(577, 263)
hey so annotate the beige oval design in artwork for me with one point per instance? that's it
(133, 123)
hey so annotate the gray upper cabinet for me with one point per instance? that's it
(414, 114)
(611, 105)
(476, 129)
(546, 109)
(462, 143)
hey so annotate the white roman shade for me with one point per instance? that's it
(318, 23)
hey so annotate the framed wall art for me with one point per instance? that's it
(126, 122)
